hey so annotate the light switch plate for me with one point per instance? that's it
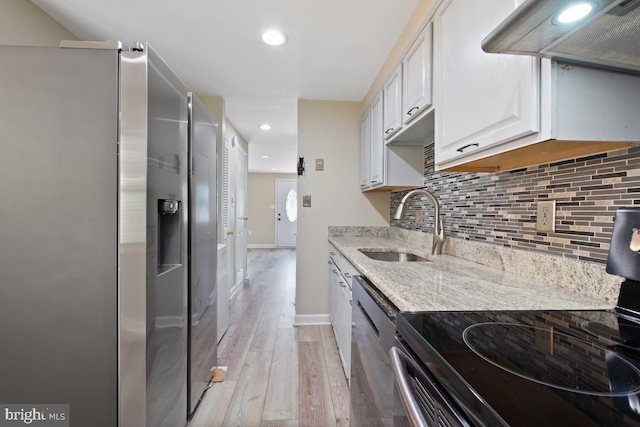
(319, 164)
(306, 201)
(546, 216)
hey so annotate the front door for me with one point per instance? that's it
(286, 212)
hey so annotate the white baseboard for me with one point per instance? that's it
(261, 246)
(311, 319)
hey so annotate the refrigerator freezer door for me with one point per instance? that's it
(153, 243)
(202, 250)
(166, 277)
(59, 228)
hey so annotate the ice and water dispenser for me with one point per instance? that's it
(169, 235)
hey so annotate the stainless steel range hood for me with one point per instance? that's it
(608, 38)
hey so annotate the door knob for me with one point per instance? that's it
(246, 218)
(229, 233)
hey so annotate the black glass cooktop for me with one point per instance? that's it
(533, 368)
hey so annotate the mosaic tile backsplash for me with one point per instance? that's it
(500, 208)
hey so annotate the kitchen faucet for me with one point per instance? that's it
(438, 230)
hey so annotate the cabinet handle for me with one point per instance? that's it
(330, 262)
(342, 285)
(374, 182)
(332, 253)
(411, 110)
(388, 131)
(461, 149)
(347, 275)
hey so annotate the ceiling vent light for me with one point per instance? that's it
(265, 126)
(274, 37)
(574, 13)
(265, 157)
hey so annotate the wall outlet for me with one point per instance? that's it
(546, 219)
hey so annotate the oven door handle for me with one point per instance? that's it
(408, 399)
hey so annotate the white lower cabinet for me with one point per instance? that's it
(340, 273)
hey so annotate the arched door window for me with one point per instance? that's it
(291, 206)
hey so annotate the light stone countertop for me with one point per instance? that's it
(448, 283)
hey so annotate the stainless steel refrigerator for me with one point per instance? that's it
(203, 312)
(94, 229)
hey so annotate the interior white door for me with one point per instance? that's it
(241, 216)
(286, 212)
(229, 211)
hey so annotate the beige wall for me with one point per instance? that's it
(329, 130)
(231, 131)
(23, 23)
(262, 195)
(420, 17)
(215, 105)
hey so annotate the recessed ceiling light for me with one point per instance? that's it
(274, 37)
(574, 12)
(265, 126)
(272, 169)
(265, 157)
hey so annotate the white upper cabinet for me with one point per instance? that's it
(365, 149)
(499, 112)
(392, 101)
(417, 75)
(482, 99)
(377, 143)
(386, 167)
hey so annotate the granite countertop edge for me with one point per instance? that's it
(448, 283)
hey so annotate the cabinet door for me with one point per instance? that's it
(483, 99)
(344, 345)
(417, 73)
(333, 294)
(392, 101)
(365, 149)
(377, 143)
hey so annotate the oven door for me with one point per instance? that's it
(419, 400)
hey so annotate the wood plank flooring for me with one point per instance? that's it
(278, 375)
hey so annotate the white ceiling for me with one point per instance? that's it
(334, 52)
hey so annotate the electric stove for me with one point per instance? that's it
(531, 368)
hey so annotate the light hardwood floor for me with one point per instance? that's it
(278, 375)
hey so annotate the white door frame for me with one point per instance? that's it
(240, 238)
(275, 214)
(228, 237)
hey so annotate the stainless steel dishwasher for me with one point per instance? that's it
(372, 388)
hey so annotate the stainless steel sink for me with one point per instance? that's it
(393, 256)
